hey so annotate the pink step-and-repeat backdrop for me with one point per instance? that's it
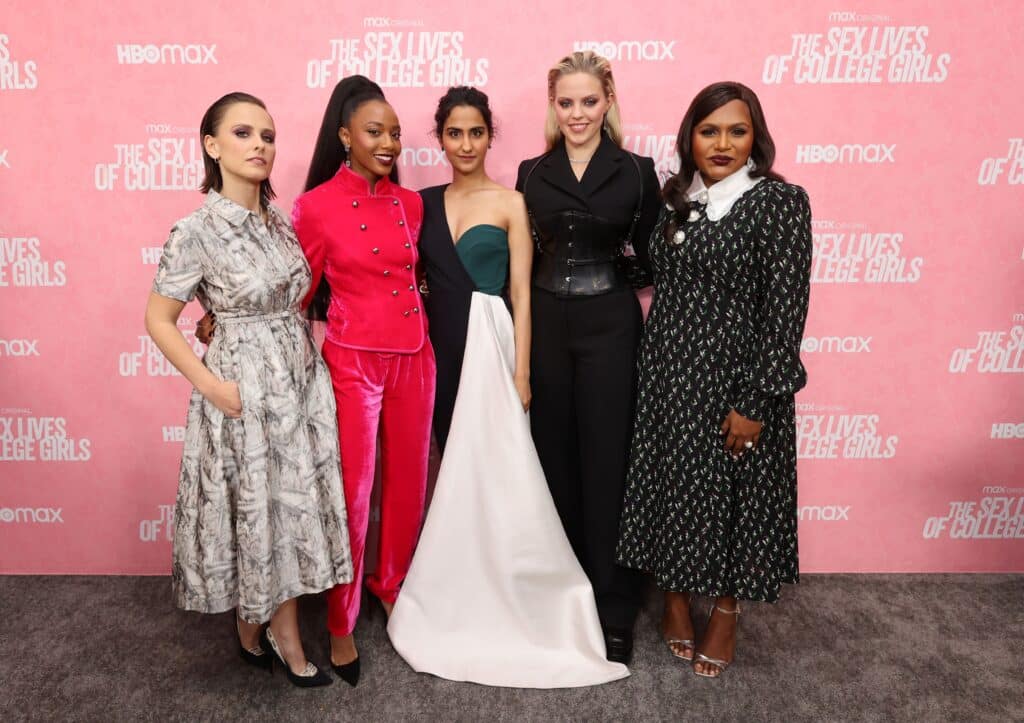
(903, 120)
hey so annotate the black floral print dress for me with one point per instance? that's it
(723, 333)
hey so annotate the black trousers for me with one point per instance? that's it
(583, 379)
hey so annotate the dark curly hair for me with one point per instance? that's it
(458, 96)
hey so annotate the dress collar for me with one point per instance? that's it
(227, 209)
(352, 182)
(722, 195)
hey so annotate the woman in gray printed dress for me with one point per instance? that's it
(260, 514)
(710, 504)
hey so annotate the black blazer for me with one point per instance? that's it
(610, 189)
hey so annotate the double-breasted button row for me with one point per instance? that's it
(363, 226)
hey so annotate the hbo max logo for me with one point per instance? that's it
(19, 347)
(47, 515)
(1008, 430)
(650, 50)
(824, 513)
(847, 153)
(835, 344)
(195, 54)
(426, 157)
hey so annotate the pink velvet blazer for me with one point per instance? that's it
(365, 244)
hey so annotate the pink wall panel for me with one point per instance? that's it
(902, 120)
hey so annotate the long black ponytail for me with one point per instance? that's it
(329, 154)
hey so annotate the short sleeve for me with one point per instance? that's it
(180, 269)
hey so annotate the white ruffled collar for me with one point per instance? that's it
(722, 195)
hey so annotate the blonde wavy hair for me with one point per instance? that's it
(586, 61)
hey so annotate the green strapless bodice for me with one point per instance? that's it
(483, 250)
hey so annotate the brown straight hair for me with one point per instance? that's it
(212, 179)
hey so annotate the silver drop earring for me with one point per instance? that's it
(750, 163)
(347, 161)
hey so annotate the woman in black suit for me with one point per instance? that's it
(588, 199)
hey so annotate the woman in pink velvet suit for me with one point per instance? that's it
(359, 229)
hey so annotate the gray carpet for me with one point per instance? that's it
(838, 647)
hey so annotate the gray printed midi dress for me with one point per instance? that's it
(260, 514)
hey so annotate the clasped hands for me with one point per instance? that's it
(741, 434)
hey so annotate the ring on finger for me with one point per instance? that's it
(749, 444)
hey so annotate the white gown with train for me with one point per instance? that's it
(495, 594)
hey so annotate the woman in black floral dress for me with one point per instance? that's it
(710, 506)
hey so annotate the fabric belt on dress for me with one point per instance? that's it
(236, 317)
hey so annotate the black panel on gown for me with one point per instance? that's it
(447, 305)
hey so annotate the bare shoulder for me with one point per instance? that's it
(495, 196)
(512, 200)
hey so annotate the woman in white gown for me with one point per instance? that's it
(495, 594)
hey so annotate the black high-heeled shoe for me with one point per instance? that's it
(311, 677)
(349, 672)
(618, 645)
(256, 657)
(258, 660)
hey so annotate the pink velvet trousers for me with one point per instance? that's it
(395, 391)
